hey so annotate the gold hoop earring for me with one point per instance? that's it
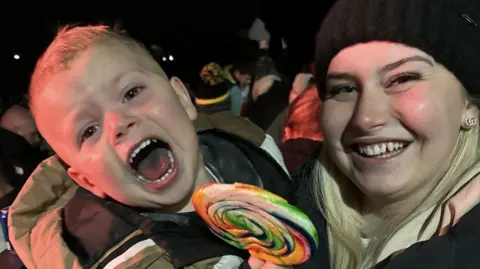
(470, 122)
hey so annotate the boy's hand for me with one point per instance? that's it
(255, 263)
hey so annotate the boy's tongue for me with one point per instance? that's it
(155, 165)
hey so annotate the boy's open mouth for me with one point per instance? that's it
(152, 160)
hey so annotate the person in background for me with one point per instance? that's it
(269, 102)
(240, 76)
(259, 33)
(213, 92)
(301, 82)
(271, 97)
(303, 115)
(19, 155)
(19, 120)
(302, 132)
(261, 71)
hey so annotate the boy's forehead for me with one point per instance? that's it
(91, 73)
(104, 63)
(97, 69)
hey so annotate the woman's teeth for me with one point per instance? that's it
(380, 149)
(169, 171)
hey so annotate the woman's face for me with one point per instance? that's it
(391, 117)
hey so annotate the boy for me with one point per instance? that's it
(124, 134)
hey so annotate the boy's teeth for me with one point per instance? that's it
(169, 171)
(140, 147)
(380, 148)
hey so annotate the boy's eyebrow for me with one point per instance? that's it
(118, 78)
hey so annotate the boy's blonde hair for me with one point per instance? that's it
(69, 43)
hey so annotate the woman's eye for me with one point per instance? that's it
(403, 78)
(341, 90)
(91, 130)
(132, 93)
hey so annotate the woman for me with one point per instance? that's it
(396, 180)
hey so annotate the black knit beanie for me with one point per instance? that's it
(213, 83)
(448, 30)
(207, 92)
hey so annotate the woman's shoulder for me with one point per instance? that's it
(457, 248)
(458, 236)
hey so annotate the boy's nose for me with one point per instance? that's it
(121, 125)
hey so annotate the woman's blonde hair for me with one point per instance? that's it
(338, 200)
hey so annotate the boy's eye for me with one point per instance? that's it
(91, 130)
(132, 93)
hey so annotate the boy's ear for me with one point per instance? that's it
(184, 96)
(85, 183)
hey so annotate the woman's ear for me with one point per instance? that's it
(470, 116)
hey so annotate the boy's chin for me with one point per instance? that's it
(180, 204)
(175, 198)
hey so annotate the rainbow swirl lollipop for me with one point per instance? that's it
(256, 220)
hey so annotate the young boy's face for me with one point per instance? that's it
(122, 126)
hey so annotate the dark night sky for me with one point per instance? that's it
(194, 35)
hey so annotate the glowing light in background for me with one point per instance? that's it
(16, 56)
